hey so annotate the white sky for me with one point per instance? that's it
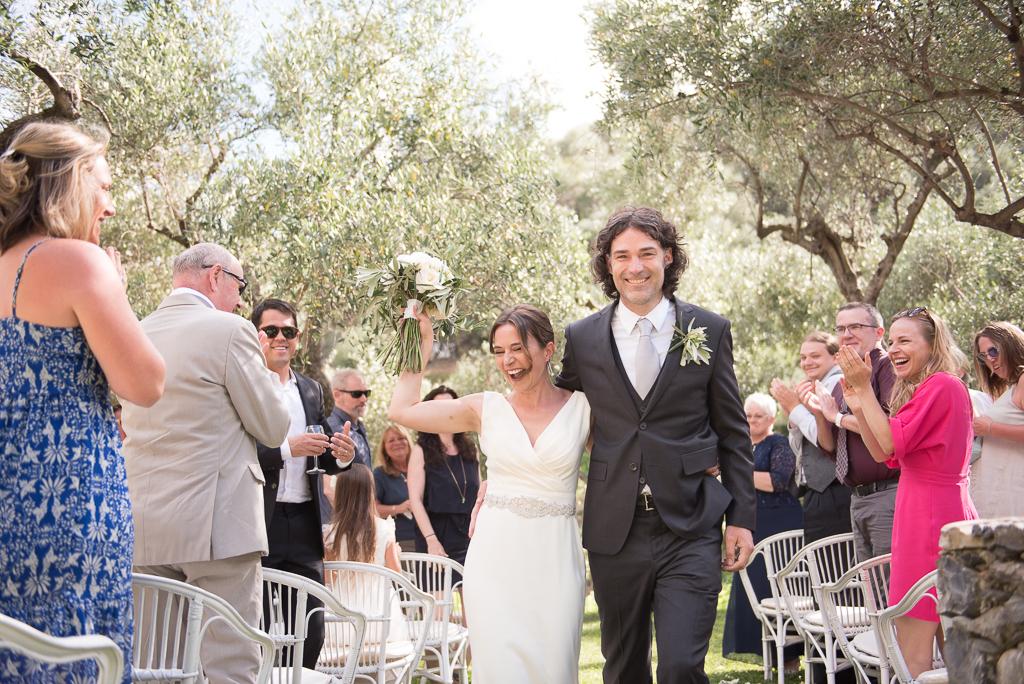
(547, 38)
(522, 38)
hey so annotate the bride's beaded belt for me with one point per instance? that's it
(530, 506)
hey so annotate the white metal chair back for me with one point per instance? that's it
(923, 590)
(286, 597)
(398, 619)
(169, 629)
(445, 646)
(850, 607)
(45, 648)
(800, 582)
(775, 551)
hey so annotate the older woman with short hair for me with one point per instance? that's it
(778, 510)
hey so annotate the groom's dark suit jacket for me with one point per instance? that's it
(692, 419)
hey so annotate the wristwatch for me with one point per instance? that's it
(839, 419)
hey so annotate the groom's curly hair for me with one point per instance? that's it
(651, 222)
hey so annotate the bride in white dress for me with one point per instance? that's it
(524, 583)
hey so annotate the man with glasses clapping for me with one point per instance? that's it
(350, 398)
(860, 327)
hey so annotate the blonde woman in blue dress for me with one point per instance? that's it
(524, 583)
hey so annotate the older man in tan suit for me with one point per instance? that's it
(195, 483)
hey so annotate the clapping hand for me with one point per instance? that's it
(982, 426)
(785, 395)
(856, 370)
(115, 259)
(342, 446)
(850, 396)
(805, 390)
(826, 405)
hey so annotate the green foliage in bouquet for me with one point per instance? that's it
(390, 292)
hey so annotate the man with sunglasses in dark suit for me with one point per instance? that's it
(350, 398)
(291, 495)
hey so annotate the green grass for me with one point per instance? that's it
(718, 668)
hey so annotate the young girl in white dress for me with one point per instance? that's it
(524, 580)
(356, 534)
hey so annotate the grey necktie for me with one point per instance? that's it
(646, 364)
(842, 453)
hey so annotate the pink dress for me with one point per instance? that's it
(931, 437)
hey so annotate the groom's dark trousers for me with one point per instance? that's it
(665, 560)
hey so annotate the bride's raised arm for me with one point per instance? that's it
(459, 415)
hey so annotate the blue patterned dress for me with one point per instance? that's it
(65, 517)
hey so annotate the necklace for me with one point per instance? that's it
(465, 487)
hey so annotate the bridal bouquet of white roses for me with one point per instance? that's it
(410, 282)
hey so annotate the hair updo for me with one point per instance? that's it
(45, 182)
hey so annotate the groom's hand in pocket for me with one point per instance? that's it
(739, 544)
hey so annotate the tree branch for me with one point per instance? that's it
(895, 242)
(66, 99)
(103, 115)
(992, 151)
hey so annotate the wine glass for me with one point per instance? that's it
(316, 469)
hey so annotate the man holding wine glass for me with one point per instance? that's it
(293, 471)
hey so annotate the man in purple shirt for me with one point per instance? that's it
(859, 325)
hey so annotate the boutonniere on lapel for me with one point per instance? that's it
(693, 343)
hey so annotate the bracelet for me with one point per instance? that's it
(430, 535)
(839, 420)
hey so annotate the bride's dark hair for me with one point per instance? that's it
(528, 320)
(433, 450)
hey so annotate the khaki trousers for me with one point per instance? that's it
(227, 657)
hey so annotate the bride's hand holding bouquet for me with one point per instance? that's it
(410, 284)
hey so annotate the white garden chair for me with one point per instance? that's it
(850, 606)
(398, 619)
(447, 638)
(286, 595)
(170, 626)
(776, 624)
(45, 648)
(921, 591)
(816, 564)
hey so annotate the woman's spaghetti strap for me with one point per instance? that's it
(17, 277)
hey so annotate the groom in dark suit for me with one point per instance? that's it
(667, 415)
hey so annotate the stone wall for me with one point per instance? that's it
(981, 585)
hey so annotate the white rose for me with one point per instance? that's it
(428, 278)
(414, 259)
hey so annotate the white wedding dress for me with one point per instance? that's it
(524, 583)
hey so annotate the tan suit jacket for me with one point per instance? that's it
(195, 483)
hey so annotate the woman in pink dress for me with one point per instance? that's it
(929, 438)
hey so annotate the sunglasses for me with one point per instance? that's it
(992, 353)
(911, 313)
(288, 331)
(356, 394)
(242, 284)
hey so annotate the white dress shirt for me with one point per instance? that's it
(627, 335)
(294, 485)
(195, 293)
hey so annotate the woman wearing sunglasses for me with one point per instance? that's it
(929, 438)
(997, 479)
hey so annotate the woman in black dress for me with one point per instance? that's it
(778, 510)
(444, 478)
